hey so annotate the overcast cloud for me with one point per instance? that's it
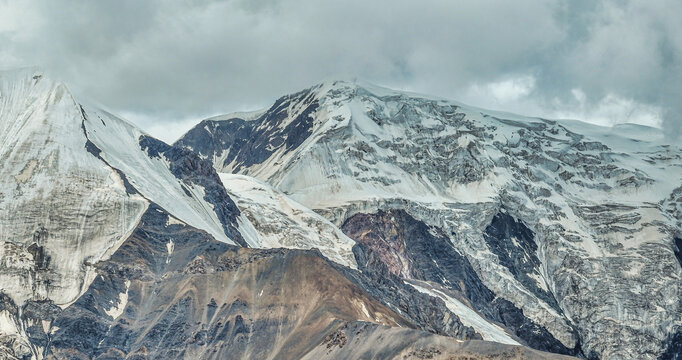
(166, 65)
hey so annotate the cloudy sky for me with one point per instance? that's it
(167, 64)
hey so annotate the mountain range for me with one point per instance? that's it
(344, 221)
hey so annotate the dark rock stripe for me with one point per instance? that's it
(515, 246)
(187, 166)
(252, 142)
(673, 346)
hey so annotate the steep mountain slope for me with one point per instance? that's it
(414, 251)
(75, 180)
(74, 184)
(61, 208)
(573, 225)
(174, 178)
(203, 299)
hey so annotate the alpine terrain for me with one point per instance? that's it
(346, 221)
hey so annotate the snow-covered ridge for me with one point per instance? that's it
(244, 115)
(489, 331)
(74, 183)
(119, 142)
(272, 220)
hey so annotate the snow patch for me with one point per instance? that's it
(116, 310)
(170, 246)
(172, 220)
(469, 317)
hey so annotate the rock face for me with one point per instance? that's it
(410, 249)
(189, 168)
(572, 224)
(515, 247)
(282, 128)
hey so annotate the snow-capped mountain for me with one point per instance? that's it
(346, 220)
(100, 171)
(564, 236)
(116, 245)
(75, 183)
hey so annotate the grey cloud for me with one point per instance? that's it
(167, 62)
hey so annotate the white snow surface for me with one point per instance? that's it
(273, 220)
(244, 115)
(119, 142)
(53, 193)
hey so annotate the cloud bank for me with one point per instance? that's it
(166, 65)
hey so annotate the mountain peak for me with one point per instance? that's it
(17, 82)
